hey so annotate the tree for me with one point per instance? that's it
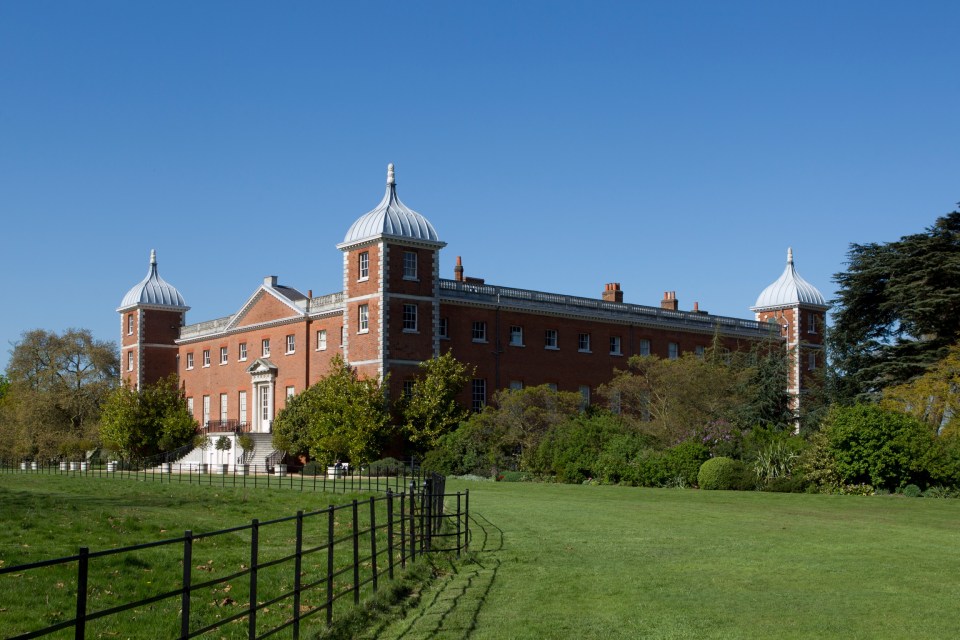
(142, 423)
(341, 416)
(896, 309)
(58, 383)
(526, 415)
(432, 409)
(933, 397)
(873, 445)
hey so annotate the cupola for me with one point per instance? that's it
(153, 291)
(391, 219)
(789, 290)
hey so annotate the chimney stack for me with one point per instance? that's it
(612, 292)
(458, 270)
(670, 301)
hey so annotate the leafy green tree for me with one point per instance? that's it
(342, 416)
(873, 445)
(933, 397)
(57, 384)
(896, 310)
(526, 415)
(142, 423)
(432, 409)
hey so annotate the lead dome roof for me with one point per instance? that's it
(391, 219)
(789, 290)
(154, 291)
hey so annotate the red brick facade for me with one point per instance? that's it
(395, 311)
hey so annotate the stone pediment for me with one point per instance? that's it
(262, 366)
(264, 306)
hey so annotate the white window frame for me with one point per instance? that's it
(224, 355)
(516, 335)
(615, 348)
(673, 350)
(242, 407)
(189, 360)
(190, 406)
(551, 339)
(206, 410)
(291, 343)
(444, 328)
(408, 388)
(410, 319)
(129, 324)
(812, 361)
(583, 343)
(290, 392)
(644, 347)
(130, 360)
(363, 318)
(410, 265)
(363, 266)
(584, 396)
(242, 349)
(206, 357)
(224, 406)
(479, 331)
(322, 340)
(700, 351)
(516, 385)
(265, 347)
(811, 322)
(478, 394)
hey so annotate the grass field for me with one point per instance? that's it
(50, 516)
(561, 561)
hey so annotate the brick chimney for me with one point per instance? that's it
(458, 270)
(670, 301)
(612, 292)
(697, 309)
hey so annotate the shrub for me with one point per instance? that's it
(912, 491)
(313, 468)
(385, 467)
(785, 484)
(721, 473)
(515, 476)
(941, 492)
(873, 445)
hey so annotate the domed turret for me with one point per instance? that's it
(789, 290)
(153, 291)
(391, 219)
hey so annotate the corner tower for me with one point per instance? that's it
(391, 276)
(798, 308)
(151, 315)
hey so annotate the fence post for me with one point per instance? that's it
(425, 517)
(458, 524)
(185, 594)
(403, 530)
(466, 520)
(390, 532)
(330, 524)
(356, 554)
(82, 572)
(254, 553)
(297, 564)
(413, 523)
(373, 541)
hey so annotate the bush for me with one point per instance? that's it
(721, 473)
(912, 491)
(785, 484)
(941, 492)
(515, 476)
(385, 467)
(313, 468)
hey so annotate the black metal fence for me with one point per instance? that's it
(286, 576)
(297, 477)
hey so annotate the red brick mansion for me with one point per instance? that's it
(395, 311)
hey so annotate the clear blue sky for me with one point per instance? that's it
(554, 145)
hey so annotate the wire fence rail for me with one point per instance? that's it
(268, 577)
(335, 479)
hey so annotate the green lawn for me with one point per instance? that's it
(549, 561)
(561, 561)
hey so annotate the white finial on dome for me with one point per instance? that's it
(153, 257)
(390, 177)
(789, 290)
(789, 255)
(153, 290)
